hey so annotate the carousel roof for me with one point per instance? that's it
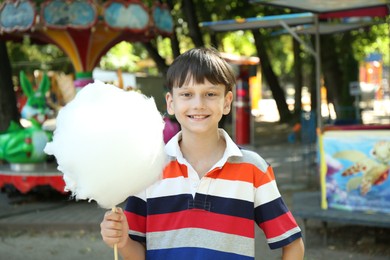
(82, 29)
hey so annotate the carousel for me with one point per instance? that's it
(85, 30)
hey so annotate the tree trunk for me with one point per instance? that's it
(160, 61)
(193, 24)
(331, 69)
(214, 40)
(298, 79)
(175, 45)
(271, 78)
(174, 41)
(8, 106)
(350, 67)
(312, 83)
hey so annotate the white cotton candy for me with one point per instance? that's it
(108, 144)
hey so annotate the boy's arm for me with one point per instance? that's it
(132, 250)
(294, 251)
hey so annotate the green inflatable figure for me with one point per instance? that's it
(25, 145)
(35, 107)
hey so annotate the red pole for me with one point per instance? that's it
(243, 107)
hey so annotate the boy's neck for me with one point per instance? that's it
(196, 143)
(202, 152)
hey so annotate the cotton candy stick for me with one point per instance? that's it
(115, 245)
(108, 144)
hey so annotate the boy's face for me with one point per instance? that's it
(199, 107)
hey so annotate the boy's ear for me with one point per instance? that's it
(170, 106)
(228, 103)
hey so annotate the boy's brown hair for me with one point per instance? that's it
(199, 64)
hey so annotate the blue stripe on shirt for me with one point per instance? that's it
(285, 242)
(220, 205)
(270, 210)
(136, 205)
(168, 204)
(193, 253)
(228, 206)
(138, 238)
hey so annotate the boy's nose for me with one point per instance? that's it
(199, 102)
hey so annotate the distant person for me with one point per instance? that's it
(211, 192)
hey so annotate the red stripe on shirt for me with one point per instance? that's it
(196, 218)
(278, 226)
(136, 222)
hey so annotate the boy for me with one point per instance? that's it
(211, 193)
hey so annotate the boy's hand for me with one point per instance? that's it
(114, 228)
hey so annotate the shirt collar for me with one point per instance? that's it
(172, 148)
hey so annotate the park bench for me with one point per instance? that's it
(307, 205)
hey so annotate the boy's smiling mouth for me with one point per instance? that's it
(198, 116)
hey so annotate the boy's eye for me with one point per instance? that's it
(185, 94)
(211, 94)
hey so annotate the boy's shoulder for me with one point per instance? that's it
(251, 157)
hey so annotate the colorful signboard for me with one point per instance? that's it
(356, 169)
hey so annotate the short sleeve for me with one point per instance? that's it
(271, 213)
(135, 211)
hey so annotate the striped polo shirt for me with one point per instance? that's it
(184, 217)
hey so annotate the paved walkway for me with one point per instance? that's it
(50, 215)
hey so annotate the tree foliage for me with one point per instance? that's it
(373, 39)
(28, 56)
(346, 49)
